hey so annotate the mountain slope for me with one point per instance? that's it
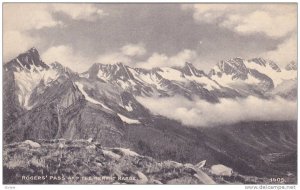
(52, 105)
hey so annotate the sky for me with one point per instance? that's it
(150, 35)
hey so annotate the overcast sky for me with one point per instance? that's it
(150, 35)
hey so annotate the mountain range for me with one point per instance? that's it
(50, 101)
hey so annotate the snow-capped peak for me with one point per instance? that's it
(30, 71)
(264, 63)
(291, 66)
(30, 60)
(190, 70)
(257, 72)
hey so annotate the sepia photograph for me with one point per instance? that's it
(149, 93)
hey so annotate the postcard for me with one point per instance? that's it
(149, 93)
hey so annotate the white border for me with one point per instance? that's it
(134, 187)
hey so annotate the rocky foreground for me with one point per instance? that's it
(86, 162)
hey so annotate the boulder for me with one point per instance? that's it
(126, 152)
(32, 144)
(221, 170)
(201, 164)
(111, 155)
(142, 178)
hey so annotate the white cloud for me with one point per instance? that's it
(23, 17)
(129, 52)
(155, 60)
(87, 12)
(133, 50)
(272, 20)
(182, 57)
(162, 60)
(125, 55)
(18, 19)
(284, 53)
(265, 22)
(15, 42)
(67, 57)
(199, 113)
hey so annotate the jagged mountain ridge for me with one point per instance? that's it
(161, 82)
(113, 88)
(228, 79)
(52, 102)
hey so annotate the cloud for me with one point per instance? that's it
(18, 20)
(277, 21)
(284, 52)
(162, 60)
(87, 12)
(15, 42)
(22, 17)
(272, 20)
(67, 57)
(199, 113)
(126, 54)
(133, 50)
